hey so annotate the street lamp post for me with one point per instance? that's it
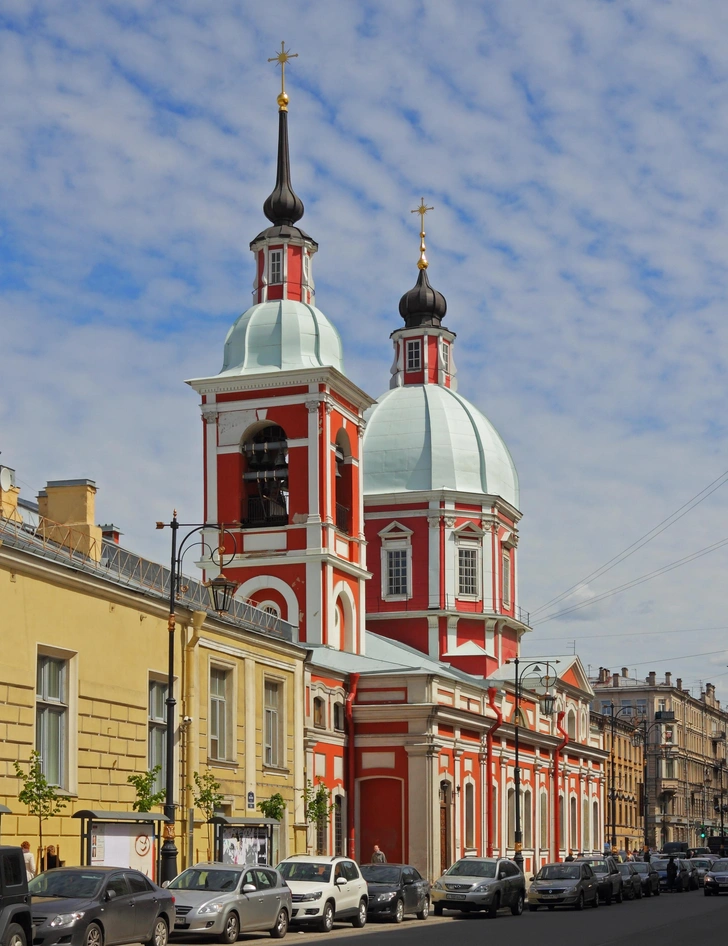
(221, 591)
(547, 702)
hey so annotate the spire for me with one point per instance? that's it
(284, 207)
(422, 305)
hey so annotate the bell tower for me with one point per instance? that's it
(283, 429)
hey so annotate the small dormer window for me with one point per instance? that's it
(506, 580)
(414, 355)
(306, 264)
(275, 267)
(446, 357)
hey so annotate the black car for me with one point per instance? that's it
(716, 879)
(394, 890)
(610, 880)
(649, 877)
(15, 924)
(631, 883)
(99, 906)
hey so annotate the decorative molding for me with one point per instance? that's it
(311, 406)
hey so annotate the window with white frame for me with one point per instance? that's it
(468, 562)
(397, 572)
(506, 580)
(396, 562)
(273, 723)
(414, 354)
(221, 703)
(51, 718)
(275, 267)
(157, 753)
(446, 357)
(470, 815)
(306, 267)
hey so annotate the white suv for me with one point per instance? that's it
(325, 889)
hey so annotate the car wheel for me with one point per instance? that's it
(437, 909)
(579, 905)
(398, 911)
(360, 920)
(425, 911)
(160, 934)
(517, 907)
(327, 918)
(93, 935)
(15, 935)
(231, 929)
(281, 927)
(493, 908)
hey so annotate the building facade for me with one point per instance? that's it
(624, 798)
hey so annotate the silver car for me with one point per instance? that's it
(571, 884)
(223, 900)
(480, 883)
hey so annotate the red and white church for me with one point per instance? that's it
(386, 532)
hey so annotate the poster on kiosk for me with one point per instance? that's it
(124, 845)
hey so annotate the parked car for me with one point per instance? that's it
(649, 878)
(716, 879)
(682, 878)
(15, 923)
(395, 890)
(692, 868)
(573, 884)
(480, 883)
(676, 848)
(610, 880)
(631, 882)
(99, 906)
(702, 865)
(223, 900)
(325, 889)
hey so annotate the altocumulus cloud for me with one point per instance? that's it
(575, 154)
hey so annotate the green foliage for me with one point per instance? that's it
(273, 807)
(37, 793)
(317, 802)
(144, 785)
(206, 793)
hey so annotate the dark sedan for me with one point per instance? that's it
(395, 890)
(631, 883)
(99, 906)
(649, 877)
(716, 879)
(681, 882)
(610, 880)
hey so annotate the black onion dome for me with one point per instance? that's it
(422, 305)
(284, 207)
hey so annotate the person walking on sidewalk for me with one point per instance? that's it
(378, 856)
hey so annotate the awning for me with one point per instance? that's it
(141, 817)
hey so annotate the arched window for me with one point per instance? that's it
(338, 824)
(571, 724)
(511, 818)
(573, 833)
(265, 478)
(544, 819)
(527, 819)
(339, 717)
(586, 842)
(319, 713)
(470, 815)
(595, 825)
(562, 825)
(343, 482)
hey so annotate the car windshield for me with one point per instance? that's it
(660, 864)
(472, 868)
(202, 878)
(310, 873)
(598, 866)
(67, 884)
(719, 866)
(380, 874)
(559, 872)
(624, 869)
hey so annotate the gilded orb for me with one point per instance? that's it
(282, 100)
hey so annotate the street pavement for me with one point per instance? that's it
(685, 919)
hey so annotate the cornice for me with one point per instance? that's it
(406, 497)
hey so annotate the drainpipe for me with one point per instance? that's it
(350, 766)
(191, 703)
(489, 768)
(557, 773)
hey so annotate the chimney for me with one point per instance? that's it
(668, 679)
(615, 679)
(679, 683)
(652, 678)
(111, 533)
(625, 672)
(68, 511)
(9, 495)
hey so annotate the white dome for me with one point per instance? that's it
(427, 437)
(281, 335)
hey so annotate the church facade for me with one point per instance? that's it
(386, 532)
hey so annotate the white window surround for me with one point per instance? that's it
(271, 607)
(445, 356)
(396, 538)
(506, 579)
(70, 773)
(469, 536)
(413, 354)
(226, 753)
(274, 723)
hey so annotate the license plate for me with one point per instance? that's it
(455, 896)
(181, 926)
(549, 896)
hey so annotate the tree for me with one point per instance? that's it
(273, 807)
(38, 794)
(144, 783)
(318, 805)
(206, 796)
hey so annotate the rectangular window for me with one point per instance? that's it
(506, 580)
(51, 729)
(158, 731)
(468, 572)
(275, 267)
(306, 270)
(446, 357)
(397, 572)
(414, 355)
(272, 735)
(220, 704)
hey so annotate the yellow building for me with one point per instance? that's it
(83, 679)
(624, 800)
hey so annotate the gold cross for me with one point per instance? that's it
(281, 59)
(422, 210)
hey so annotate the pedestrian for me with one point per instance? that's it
(671, 873)
(29, 860)
(630, 856)
(378, 856)
(570, 856)
(646, 856)
(51, 858)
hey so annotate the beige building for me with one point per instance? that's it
(83, 679)
(687, 782)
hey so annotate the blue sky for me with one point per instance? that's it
(575, 153)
